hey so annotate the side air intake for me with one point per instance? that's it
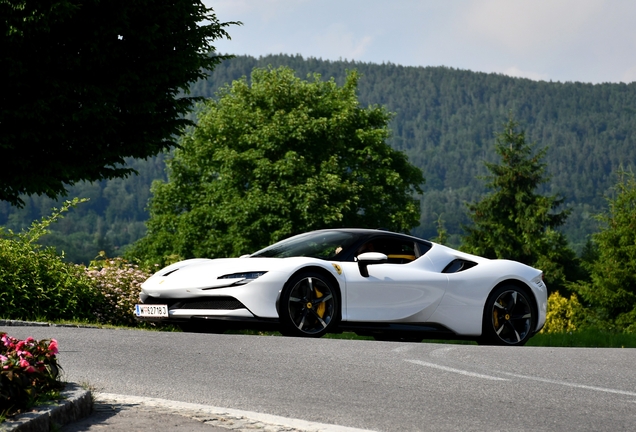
(458, 265)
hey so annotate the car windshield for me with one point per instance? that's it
(318, 244)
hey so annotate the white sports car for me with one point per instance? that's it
(373, 282)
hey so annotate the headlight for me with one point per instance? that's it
(245, 277)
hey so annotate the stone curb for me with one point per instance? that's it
(76, 404)
(18, 323)
(226, 418)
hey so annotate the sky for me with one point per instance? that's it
(592, 41)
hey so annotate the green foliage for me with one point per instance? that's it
(276, 158)
(514, 221)
(29, 371)
(442, 234)
(35, 281)
(119, 283)
(113, 218)
(612, 289)
(89, 83)
(37, 284)
(566, 315)
(591, 337)
(445, 121)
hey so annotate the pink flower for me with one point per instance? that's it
(24, 364)
(8, 341)
(53, 346)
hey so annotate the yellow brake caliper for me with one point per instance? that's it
(320, 310)
(495, 315)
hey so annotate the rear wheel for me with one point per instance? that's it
(509, 317)
(309, 305)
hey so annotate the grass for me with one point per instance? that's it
(87, 323)
(589, 338)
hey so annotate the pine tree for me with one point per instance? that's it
(612, 289)
(514, 221)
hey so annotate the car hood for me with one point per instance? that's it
(214, 273)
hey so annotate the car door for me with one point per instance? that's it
(401, 290)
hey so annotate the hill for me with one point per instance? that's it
(445, 121)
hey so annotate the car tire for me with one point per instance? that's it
(510, 317)
(309, 305)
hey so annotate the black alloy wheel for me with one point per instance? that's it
(509, 317)
(309, 306)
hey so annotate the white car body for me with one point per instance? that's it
(407, 295)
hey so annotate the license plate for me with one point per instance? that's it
(151, 311)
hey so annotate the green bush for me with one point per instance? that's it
(119, 283)
(611, 291)
(36, 283)
(565, 315)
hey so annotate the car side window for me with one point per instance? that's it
(398, 251)
(423, 247)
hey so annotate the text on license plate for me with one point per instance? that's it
(151, 311)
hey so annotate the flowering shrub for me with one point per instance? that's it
(28, 371)
(565, 315)
(119, 283)
(36, 282)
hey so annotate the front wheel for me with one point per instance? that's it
(509, 317)
(309, 305)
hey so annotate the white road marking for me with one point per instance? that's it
(458, 371)
(403, 348)
(568, 384)
(295, 424)
(443, 351)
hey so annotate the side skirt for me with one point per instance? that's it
(410, 330)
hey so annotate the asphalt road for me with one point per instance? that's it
(383, 386)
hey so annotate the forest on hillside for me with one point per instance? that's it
(445, 121)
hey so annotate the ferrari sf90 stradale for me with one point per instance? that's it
(378, 283)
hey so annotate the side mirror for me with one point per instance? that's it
(369, 258)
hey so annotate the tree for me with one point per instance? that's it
(89, 83)
(442, 234)
(514, 221)
(276, 158)
(612, 289)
